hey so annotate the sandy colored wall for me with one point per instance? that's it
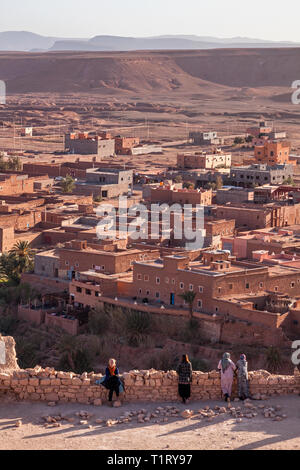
(150, 385)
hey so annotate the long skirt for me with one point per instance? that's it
(184, 390)
(243, 386)
(226, 383)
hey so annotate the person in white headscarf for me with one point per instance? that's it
(227, 368)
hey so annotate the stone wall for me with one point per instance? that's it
(38, 384)
(150, 385)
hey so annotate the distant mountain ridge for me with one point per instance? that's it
(25, 41)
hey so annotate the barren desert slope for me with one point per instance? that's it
(178, 71)
(155, 95)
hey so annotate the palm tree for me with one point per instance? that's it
(189, 297)
(21, 249)
(23, 254)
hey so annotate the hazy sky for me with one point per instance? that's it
(268, 19)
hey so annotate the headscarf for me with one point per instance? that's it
(243, 366)
(112, 369)
(225, 361)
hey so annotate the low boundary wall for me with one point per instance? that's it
(150, 385)
(38, 384)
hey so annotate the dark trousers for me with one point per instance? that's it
(112, 390)
(184, 391)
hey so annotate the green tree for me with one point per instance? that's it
(67, 184)
(189, 185)
(289, 181)
(14, 163)
(97, 198)
(189, 298)
(9, 268)
(23, 254)
(11, 296)
(177, 179)
(238, 140)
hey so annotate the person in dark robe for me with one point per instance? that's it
(184, 371)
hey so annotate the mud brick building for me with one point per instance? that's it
(263, 129)
(248, 303)
(214, 277)
(205, 138)
(235, 195)
(84, 144)
(80, 256)
(275, 152)
(55, 169)
(125, 144)
(255, 216)
(260, 174)
(272, 241)
(77, 255)
(222, 228)
(13, 184)
(107, 183)
(203, 160)
(89, 287)
(165, 194)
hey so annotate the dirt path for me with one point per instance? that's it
(223, 432)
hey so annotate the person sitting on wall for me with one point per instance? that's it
(112, 381)
(185, 372)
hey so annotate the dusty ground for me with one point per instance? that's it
(223, 432)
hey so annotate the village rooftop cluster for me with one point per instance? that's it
(242, 282)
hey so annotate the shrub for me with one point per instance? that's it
(81, 361)
(98, 322)
(138, 326)
(200, 364)
(191, 332)
(27, 352)
(273, 359)
(163, 361)
(8, 325)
